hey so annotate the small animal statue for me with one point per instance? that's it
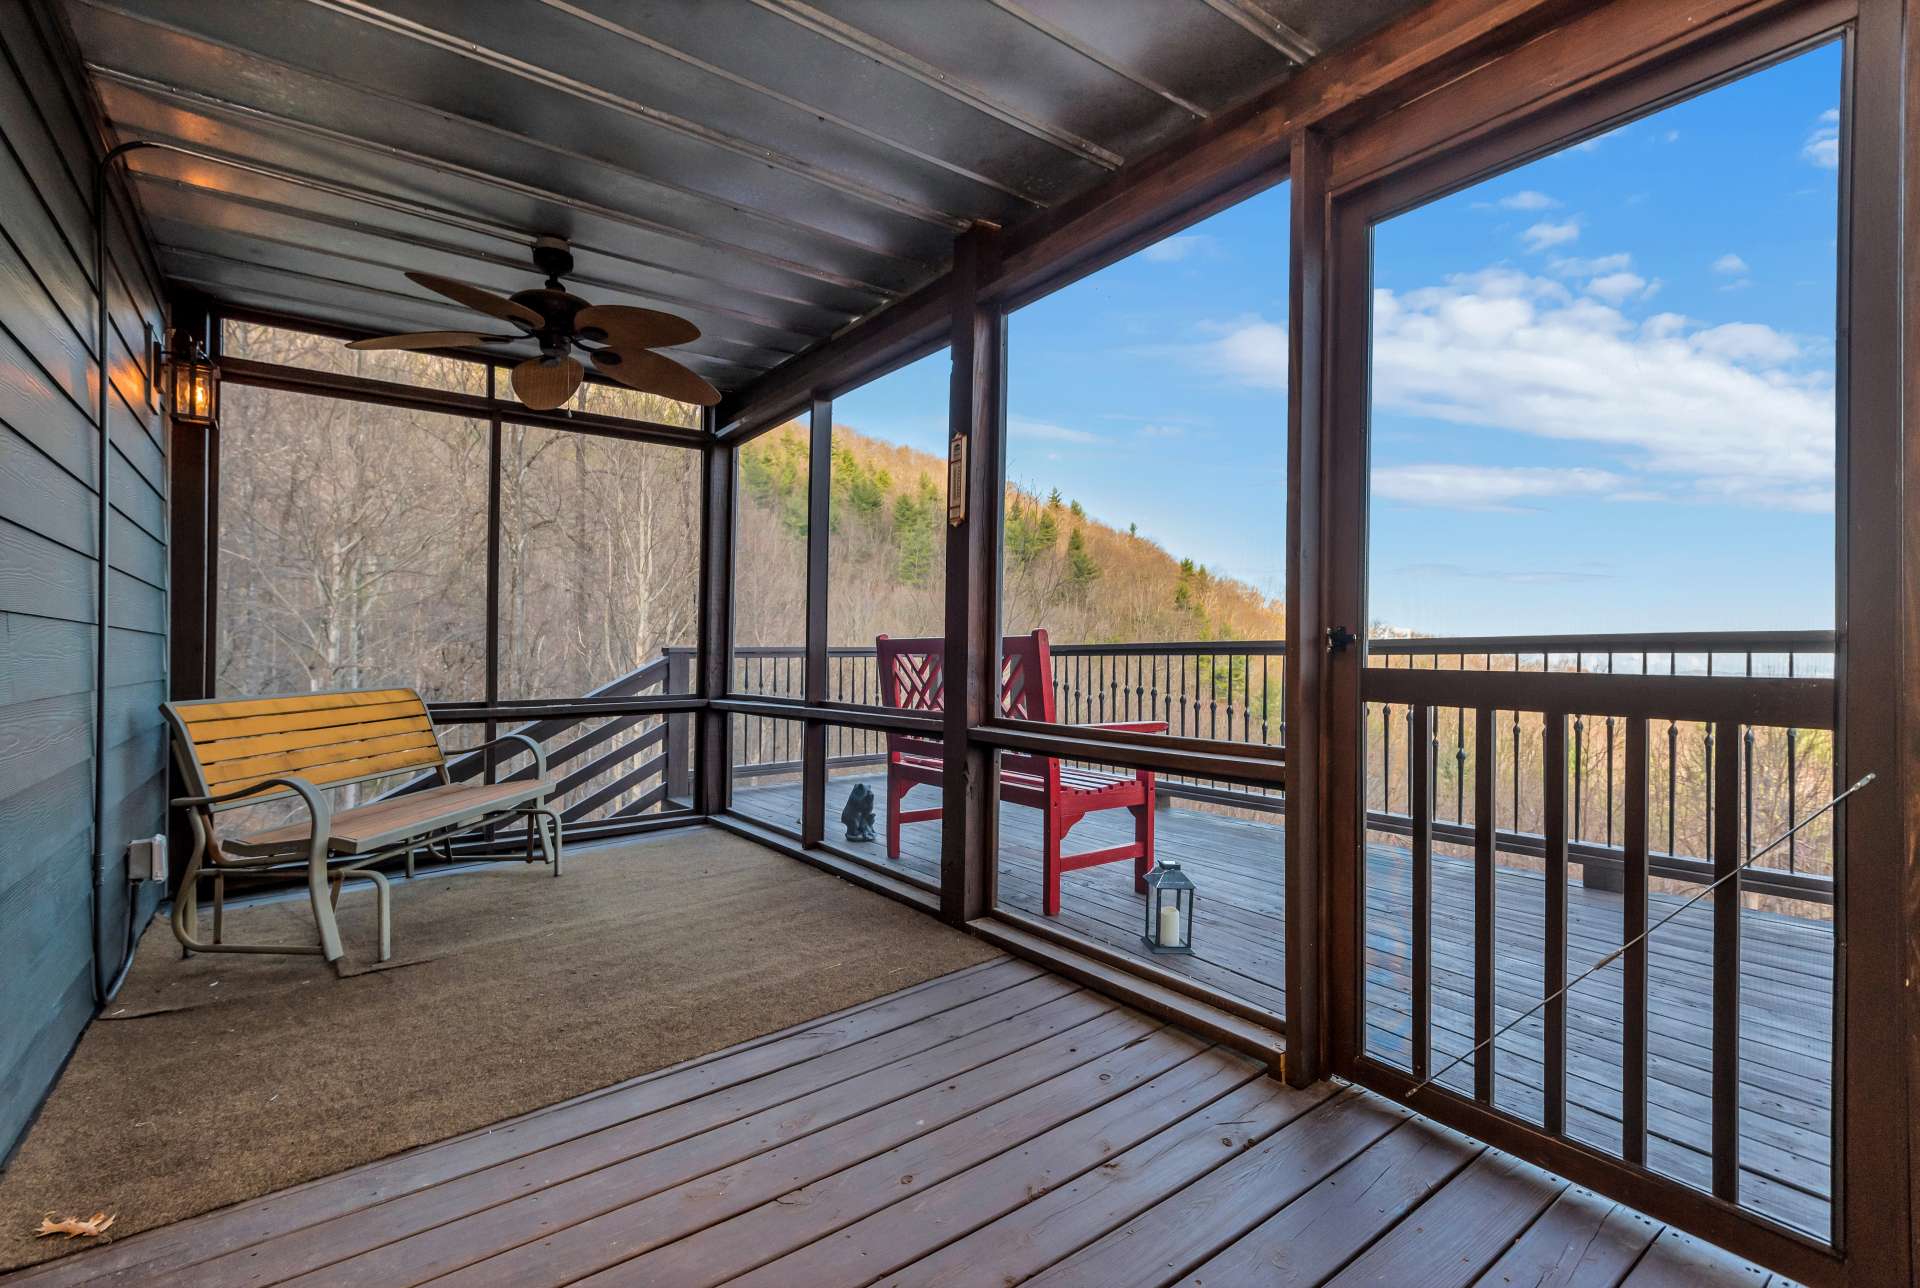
(858, 815)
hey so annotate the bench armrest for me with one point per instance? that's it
(539, 752)
(319, 808)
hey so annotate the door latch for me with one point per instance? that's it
(1340, 639)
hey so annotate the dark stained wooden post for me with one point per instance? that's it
(1306, 623)
(1486, 904)
(976, 415)
(1877, 904)
(1341, 559)
(1726, 960)
(813, 738)
(1633, 985)
(715, 665)
(1420, 807)
(1553, 764)
(193, 527)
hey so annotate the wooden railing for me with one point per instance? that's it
(1640, 762)
(614, 762)
(1231, 691)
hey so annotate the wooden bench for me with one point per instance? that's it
(247, 751)
(913, 678)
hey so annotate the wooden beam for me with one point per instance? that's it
(976, 421)
(1606, 46)
(387, 393)
(1307, 550)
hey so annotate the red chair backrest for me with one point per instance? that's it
(913, 674)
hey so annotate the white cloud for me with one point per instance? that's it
(1175, 249)
(1618, 288)
(1545, 235)
(1822, 147)
(1598, 266)
(1251, 351)
(1730, 265)
(1748, 343)
(1052, 433)
(1527, 200)
(1487, 487)
(1673, 409)
(1733, 410)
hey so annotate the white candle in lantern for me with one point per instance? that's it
(1169, 926)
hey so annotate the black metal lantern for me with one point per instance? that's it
(1169, 926)
(193, 386)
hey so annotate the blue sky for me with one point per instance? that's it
(1603, 383)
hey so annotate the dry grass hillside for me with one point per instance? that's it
(1086, 579)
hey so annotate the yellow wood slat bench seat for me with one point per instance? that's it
(236, 752)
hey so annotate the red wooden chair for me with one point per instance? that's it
(913, 678)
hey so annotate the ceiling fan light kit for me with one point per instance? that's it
(617, 339)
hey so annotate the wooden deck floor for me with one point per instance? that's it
(999, 1125)
(1238, 865)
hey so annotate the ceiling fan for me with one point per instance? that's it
(618, 340)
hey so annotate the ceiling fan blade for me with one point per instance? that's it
(623, 328)
(473, 297)
(653, 373)
(428, 340)
(543, 385)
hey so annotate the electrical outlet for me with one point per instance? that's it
(147, 859)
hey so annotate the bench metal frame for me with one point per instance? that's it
(327, 862)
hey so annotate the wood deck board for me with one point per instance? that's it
(1786, 1008)
(1096, 1146)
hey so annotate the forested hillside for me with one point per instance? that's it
(1081, 577)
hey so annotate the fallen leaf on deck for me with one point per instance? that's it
(75, 1227)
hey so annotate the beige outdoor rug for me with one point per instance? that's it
(221, 1078)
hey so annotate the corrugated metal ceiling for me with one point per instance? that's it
(771, 169)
